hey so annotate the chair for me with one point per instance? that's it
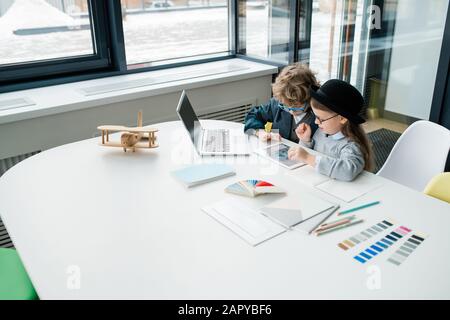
(419, 154)
(14, 281)
(439, 187)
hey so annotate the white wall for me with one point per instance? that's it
(415, 56)
(49, 131)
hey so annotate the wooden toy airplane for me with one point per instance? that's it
(131, 137)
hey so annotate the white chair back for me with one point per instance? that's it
(419, 154)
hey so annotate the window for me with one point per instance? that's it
(34, 31)
(41, 38)
(264, 29)
(388, 49)
(157, 32)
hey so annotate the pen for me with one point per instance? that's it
(358, 208)
(339, 227)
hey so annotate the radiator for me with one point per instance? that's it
(5, 241)
(6, 164)
(235, 112)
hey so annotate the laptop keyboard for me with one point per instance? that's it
(216, 140)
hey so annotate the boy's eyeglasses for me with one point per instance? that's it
(322, 121)
(286, 108)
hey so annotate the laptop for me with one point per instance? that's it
(217, 141)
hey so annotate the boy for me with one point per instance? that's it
(288, 108)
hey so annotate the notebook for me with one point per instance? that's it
(245, 222)
(253, 188)
(203, 173)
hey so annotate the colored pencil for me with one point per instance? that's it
(333, 225)
(358, 208)
(336, 221)
(333, 210)
(339, 227)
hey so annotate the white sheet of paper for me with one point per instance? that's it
(303, 206)
(349, 191)
(247, 223)
(309, 176)
(285, 217)
(312, 223)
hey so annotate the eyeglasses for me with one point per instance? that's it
(286, 108)
(322, 121)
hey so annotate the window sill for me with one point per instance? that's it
(88, 94)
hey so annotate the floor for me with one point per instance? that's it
(372, 125)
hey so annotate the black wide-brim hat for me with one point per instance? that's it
(340, 97)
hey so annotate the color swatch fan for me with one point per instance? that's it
(253, 188)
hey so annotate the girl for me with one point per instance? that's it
(344, 147)
(288, 108)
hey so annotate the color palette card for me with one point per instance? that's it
(382, 245)
(253, 188)
(407, 248)
(366, 234)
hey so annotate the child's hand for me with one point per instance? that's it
(267, 136)
(303, 132)
(300, 154)
(297, 153)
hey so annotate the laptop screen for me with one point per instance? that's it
(189, 118)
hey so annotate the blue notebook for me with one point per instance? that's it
(203, 173)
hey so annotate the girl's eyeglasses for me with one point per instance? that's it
(286, 108)
(322, 121)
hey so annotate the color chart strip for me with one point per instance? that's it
(408, 247)
(382, 245)
(366, 234)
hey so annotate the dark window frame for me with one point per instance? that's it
(108, 14)
(33, 70)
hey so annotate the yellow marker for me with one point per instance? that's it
(268, 127)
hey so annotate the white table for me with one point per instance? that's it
(123, 224)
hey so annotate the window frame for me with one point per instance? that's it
(28, 71)
(108, 15)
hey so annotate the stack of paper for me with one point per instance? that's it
(253, 188)
(245, 222)
(203, 173)
(256, 226)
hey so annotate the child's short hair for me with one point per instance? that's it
(293, 83)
